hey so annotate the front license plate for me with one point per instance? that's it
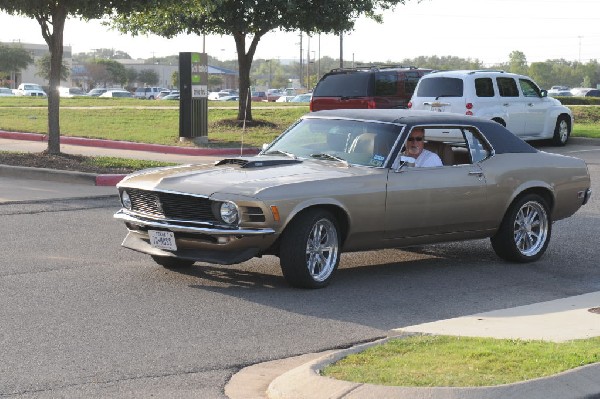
(162, 239)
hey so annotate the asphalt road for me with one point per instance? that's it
(82, 317)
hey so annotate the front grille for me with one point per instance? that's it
(172, 206)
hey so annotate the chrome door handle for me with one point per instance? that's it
(476, 173)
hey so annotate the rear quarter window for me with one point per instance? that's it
(484, 87)
(343, 85)
(386, 84)
(440, 87)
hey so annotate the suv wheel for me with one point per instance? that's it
(562, 131)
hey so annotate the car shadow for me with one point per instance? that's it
(391, 288)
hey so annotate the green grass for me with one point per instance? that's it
(133, 164)
(157, 122)
(149, 125)
(429, 361)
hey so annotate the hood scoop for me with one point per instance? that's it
(256, 163)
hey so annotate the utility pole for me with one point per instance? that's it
(301, 65)
(341, 49)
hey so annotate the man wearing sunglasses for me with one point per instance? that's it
(415, 149)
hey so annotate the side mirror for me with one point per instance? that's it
(544, 93)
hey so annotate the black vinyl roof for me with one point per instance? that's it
(499, 137)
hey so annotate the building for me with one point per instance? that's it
(38, 51)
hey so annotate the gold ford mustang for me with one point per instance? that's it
(341, 181)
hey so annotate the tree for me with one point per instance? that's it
(51, 16)
(517, 63)
(43, 68)
(249, 20)
(148, 77)
(13, 59)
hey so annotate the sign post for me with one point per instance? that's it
(193, 97)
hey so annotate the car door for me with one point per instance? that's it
(536, 108)
(513, 105)
(439, 200)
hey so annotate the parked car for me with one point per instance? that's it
(337, 181)
(172, 96)
(592, 93)
(559, 93)
(274, 94)
(366, 87)
(216, 95)
(302, 98)
(97, 92)
(258, 96)
(284, 99)
(71, 92)
(512, 100)
(30, 90)
(585, 92)
(230, 98)
(147, 93)
(162, 94)
(117, 93)
(6, 92)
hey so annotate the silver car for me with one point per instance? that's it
(339, 181)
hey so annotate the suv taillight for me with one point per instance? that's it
(311, 105)
(409, 105)
(469, 108)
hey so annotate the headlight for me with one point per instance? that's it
(125, 200)
(229, 212)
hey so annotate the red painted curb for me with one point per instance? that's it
(127, 145)
(108, 180)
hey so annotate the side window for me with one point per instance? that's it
(507, 87)
(529, 88)
(484, 87)
(386, 84)
(478, 149)
(447, 142)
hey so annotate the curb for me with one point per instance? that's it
(128, 145)
(305, 382)
(64, 176)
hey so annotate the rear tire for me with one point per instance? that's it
(310, 249)
(525, 230)
(562, 131)
(172, 263)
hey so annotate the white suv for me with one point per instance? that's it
(30, 90)
(149, 93)
(514, 101)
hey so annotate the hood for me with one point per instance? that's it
(243, 176)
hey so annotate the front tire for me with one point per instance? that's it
(562, 131)
(310, 249)
(525, 230)
(172, 263)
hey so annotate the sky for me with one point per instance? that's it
(486, 30)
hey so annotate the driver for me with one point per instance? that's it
(415, 148)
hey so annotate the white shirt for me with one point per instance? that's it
(428, 159)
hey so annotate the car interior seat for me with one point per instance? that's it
(443, 150)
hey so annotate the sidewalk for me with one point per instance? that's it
(557, 321)
(33, 142)
(298, 377)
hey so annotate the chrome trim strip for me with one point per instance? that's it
(121, 215)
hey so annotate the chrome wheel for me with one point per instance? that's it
(322, 250)
(309, 252)
(530, 228)
(525, 231)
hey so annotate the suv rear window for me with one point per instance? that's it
(441, 87)
(386, 84)
(337, 85)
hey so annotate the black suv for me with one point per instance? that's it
(366, 87)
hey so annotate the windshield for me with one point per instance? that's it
(338, 140)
